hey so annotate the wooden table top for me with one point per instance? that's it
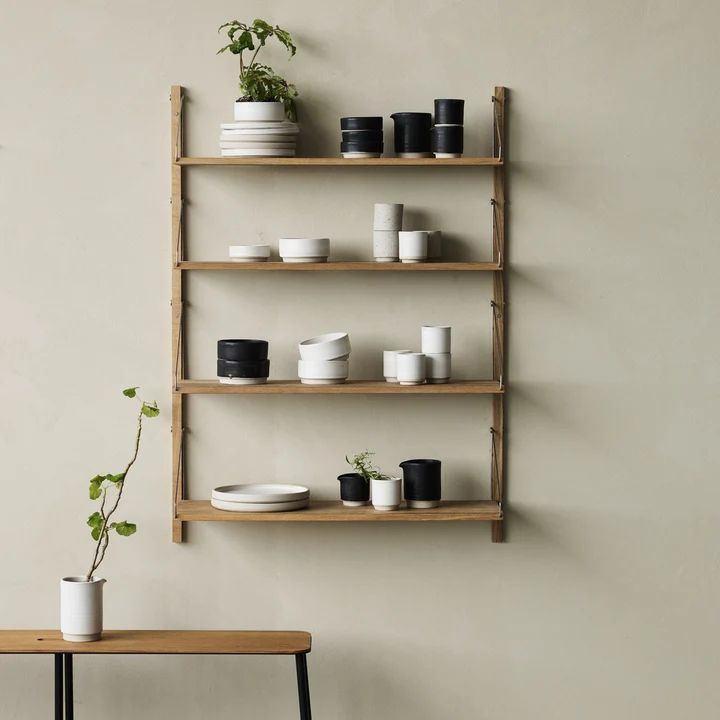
(160, 642)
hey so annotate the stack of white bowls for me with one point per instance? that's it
(260, 130)
(387, 223)
(436, 348)
(259, 497)
(324, 360)
(249, 253)
(304, 250)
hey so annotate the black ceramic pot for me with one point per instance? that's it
(243, 368)
(242, 349)
(412, 132)
(449, 112)
(447, 139)
(354, 489)
(421, 482)
(368, 147)
(361, 123)
(363, 136)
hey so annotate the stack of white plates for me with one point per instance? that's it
(299, 250)
(324, 359)
(258, 138)
(257, 497)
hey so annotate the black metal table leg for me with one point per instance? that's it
(58, 686)
(69, 711)
(303, 686)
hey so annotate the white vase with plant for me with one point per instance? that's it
(385, 490)
(264, 95)
(81, 600)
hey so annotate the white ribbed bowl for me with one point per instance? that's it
(330, 346)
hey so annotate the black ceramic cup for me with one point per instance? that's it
(449, 112)
(243, 368)
(375, 136)
(447, 139)
(421, 482)
(242, 349)
(412, 132)
(361, 123)
(354, 488)
(369, 147)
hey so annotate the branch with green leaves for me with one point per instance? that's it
(109, 489)
(363, 465)
(258, 82)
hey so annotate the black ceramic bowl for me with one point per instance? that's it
(447, 139)
(354, 487)
(370, 147)
(449, 112)
(243, 368)
(361, 123)
(421, 479)
(362, 136)
(412, 119)
(242, 349)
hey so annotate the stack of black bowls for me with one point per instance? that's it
(412, 134)
(447, 134)
(243, 362)
(362, 137)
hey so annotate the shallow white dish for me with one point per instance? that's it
(249, 253)
(241, 381)
(330, 346)
(259, 507)
(261, 493)
(287, 152)
(317, 259)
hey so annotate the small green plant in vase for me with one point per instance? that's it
(264, 95)
(385, 489)
(81, 596)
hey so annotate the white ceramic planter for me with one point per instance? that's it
(435, 338)
(410, 368)
(304, 249)
(385, 494)
(81, 608)
(256, 111)
(330, 346)
(323, 372)
(386, 245)
(390, 364)
(434, 247)
(413, 245)
(388, 216)
(437, 367)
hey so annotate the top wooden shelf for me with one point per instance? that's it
(344, 162)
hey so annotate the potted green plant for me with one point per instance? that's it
(264, 95)
(385, 488)
(81, 607)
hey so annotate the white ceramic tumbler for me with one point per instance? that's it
(81, 608)
(390, 364)
(388, 216)
(410, 368)
(385, 494)
(435, 338)
(386, 245)
(437, 367)
(413, 246)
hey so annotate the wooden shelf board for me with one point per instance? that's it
(343, 162)
(356, 387)
(342, 266)
(334, 511)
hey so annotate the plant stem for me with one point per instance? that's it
(101, 546)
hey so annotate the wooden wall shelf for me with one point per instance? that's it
(356, 387)
(334, 511)
(185, 510)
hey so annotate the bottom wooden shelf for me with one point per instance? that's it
(334, 511)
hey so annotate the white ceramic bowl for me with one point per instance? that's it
(330, 346)
(249, 253)
(320, 372)
(304, 249)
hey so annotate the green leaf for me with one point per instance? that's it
(150, 411)
(96, 487)
(130, 392)
(125, 528)
(95, 520)
(95, 533)
(115, 478)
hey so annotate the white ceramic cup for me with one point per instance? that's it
(434, 250)
(437, 367)
(385, 494)
(388, 216)
(435, 338)
(81, 609)
(386, 245)
(323, 372)
(410, 368)
(390, 364)
(413, 245)
(330, 346)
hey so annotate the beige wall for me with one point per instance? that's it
(603, 602)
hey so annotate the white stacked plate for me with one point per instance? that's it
(304, 250)
(260, 497)
(258, 138)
